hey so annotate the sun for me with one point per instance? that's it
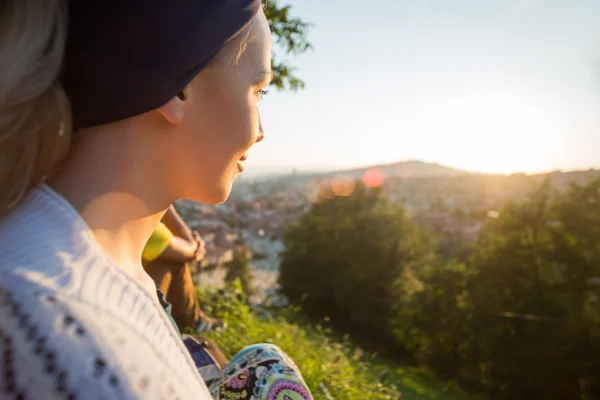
(497, 131)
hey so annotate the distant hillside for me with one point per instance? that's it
(405, 169)
(562, 179)
(413, 169)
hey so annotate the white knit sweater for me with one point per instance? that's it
(72, 324)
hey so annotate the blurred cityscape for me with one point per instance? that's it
(442, 199)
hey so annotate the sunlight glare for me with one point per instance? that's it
(499, 132)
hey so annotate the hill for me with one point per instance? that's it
(404, 169)
(407, 169)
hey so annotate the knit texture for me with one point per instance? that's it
(75, 326)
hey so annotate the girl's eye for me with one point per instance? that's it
(263, 92)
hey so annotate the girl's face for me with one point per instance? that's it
(218, 117)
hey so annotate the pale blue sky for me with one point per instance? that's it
(485, 85)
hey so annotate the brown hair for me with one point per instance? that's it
(35, 117)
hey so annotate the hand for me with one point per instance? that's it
(201, 249)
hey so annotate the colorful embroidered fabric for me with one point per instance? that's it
(261, 372)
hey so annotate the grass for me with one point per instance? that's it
(333, 367)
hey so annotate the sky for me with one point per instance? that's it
(497, 86)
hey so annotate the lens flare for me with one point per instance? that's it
(373, 177)
(343, 185)
(325, 191)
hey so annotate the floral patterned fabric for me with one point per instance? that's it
(260, 372)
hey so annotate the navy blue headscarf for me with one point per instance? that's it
(127, 57)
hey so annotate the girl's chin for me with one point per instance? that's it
(217, 195)
(240, 166)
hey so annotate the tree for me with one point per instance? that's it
(535, 319)
(520, 319)
(239, 268)
(434, 323)
(290, 34)
(354, 259)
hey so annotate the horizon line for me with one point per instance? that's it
(317, 168)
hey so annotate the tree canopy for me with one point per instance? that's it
(290, 37)
(517, 318)
(352, 258)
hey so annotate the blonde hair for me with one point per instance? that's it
(35, 115)
(231, 54)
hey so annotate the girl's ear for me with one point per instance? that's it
(173, 110)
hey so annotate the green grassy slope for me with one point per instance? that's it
(333, 367)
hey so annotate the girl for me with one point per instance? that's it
(162, 97)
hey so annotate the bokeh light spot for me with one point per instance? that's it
(325, 191)
(343, 185)
(493, 214)
(373, 177)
